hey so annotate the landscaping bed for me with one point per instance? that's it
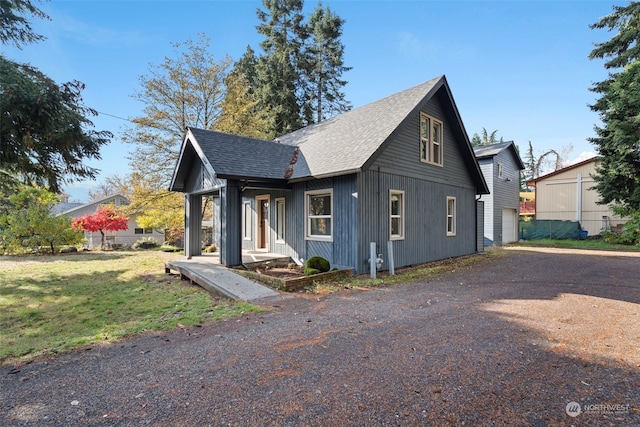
(288, 277)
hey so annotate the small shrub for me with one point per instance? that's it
(145, 243)
(210, 249)
(628, 235)
(317, 263)
(170, 248)
(308, 271)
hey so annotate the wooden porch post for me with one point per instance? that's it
(230, 221)
(192, 225)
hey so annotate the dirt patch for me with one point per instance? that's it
(281, 272)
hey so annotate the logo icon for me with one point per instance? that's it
(573, 409)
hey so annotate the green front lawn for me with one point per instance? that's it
(50, 304)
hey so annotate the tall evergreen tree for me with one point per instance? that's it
(44, 127)
(486, 139)
(14, 27)
(247, 66)
(278, 71)
(618, 140)
(45, 130)
(530, 164)
(324, 67)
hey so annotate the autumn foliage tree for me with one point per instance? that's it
(26, 222)
(105, 218)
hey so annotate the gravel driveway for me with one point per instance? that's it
(511, 341)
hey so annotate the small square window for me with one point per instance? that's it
(138, 231)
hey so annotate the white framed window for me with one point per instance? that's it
(246, 220)
(319, 215)
(500, 170)
(451, 216)
(280, 220)
(431, 139)
(396, 215)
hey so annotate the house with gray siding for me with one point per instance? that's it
(501, 165)
(400, 169)
(132, 234)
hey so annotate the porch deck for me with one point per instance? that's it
(205, 270)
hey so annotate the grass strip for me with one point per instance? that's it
(50, 304)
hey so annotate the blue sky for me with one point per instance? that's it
(519, 67)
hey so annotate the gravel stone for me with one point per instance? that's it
(512, 340)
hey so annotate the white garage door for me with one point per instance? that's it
(509, 226)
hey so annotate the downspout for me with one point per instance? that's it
(579, 197)
(378, 216)
(475, 207)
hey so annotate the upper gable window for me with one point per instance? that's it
(431, 133)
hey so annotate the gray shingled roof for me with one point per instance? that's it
(340, 145)
(490, 150)
(345, 142)
(64, 207)
(486, 151)
(237, 156)
(69, 208)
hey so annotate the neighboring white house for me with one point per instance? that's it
(567, 194)
(122, 237)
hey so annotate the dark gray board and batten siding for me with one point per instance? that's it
(341, 250)
(426, 188)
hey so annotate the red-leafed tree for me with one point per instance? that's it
(105, 218)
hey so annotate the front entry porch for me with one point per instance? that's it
(248, 257)
(206, 271)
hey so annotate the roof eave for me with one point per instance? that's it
(189, 138)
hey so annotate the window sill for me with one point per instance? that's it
(320, 238)
(431, 163)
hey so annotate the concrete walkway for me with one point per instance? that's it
(204, 271)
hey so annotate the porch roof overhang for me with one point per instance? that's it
(256, 163)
